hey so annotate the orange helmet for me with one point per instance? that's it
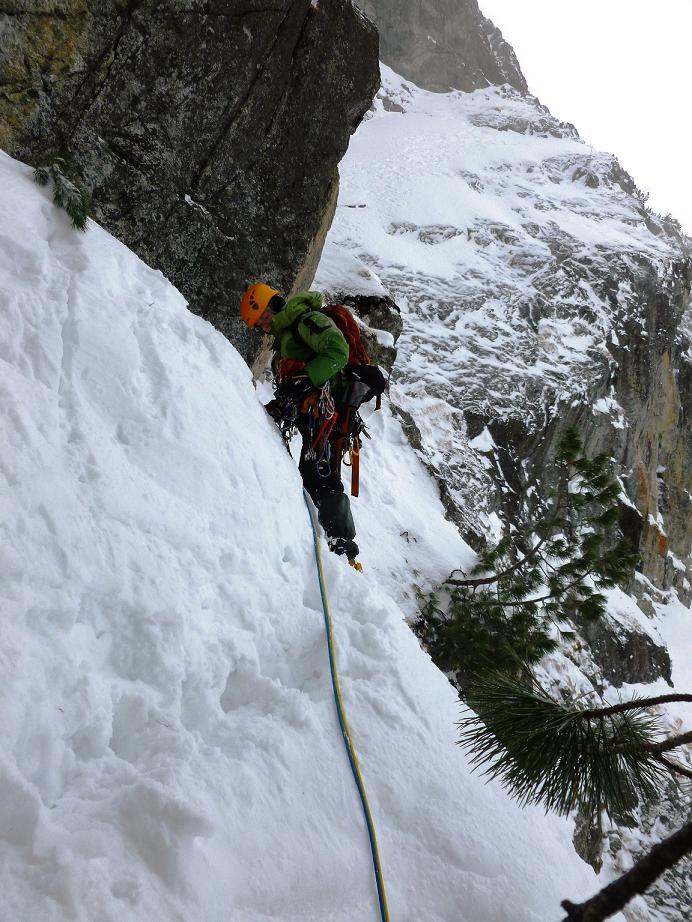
(255, 301)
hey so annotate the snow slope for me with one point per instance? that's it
(168, 743)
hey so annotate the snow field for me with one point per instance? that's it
(168, 743)
(456, 204)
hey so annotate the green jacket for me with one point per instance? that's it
(302, 332)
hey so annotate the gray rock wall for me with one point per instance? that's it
(443, 44)
(209, 132)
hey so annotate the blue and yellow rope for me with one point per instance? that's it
(350, 750)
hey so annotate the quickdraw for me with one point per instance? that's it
(320, 449)
(338, 438)
(326, 430)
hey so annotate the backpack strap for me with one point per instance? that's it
(346, 322)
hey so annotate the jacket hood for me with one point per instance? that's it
(299, 304)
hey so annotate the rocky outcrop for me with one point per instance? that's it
(444, 44)
(625, 655)
(653, 383)
(636, 413)
(382, 326)
(209, 133)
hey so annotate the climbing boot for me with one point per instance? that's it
(343, 546)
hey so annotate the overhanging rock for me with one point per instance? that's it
(208, 133)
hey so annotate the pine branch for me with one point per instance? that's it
(674, 766)
(549, 754)
(496, 577)
(673, 742)
(635, 704)
(543, 598)
(41, 175)
(487, 581)
(66, 194)
(637, 880)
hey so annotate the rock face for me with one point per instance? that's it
(636, 413)
(208, 132)
(443, 44)
(625, 655)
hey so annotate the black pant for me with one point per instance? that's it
(322, 480)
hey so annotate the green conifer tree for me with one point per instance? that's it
(567, 757)
(502, 615)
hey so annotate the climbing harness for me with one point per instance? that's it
(345, 733)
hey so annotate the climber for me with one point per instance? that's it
(311, 373)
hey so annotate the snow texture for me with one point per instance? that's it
(169, 748)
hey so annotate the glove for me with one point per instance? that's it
(284, 409)
(294, 389)
(368, 375)
(275, 410)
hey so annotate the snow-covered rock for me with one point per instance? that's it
(533, 283)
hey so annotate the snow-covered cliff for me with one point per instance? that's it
(533, 281)
(536, 290)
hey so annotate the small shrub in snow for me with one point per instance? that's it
(66, 193)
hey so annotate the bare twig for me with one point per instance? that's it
(674, 767)
(637, 880)
(673, 742)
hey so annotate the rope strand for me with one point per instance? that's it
(348, 743)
